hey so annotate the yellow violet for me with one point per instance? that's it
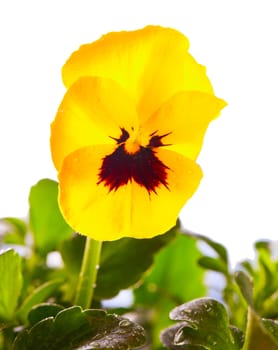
(128, 131)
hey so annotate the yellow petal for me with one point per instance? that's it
(152, 64)
(129, 211)
(184, 119)
(93, 110)
(90, 208)
(155, 214)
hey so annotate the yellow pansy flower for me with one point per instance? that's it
(128, 132)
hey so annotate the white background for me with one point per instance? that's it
(236, 40)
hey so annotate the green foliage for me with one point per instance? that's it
(122, 264)
(10, 284)
(219, 249)
(265, 279)
(164, 273)
(246, 286)
(271, 328)
(15, 230)
(178, 259)
(219, 264)
(42, 311)
(129, 259)
(250, 294)
(174, 278)
(74, 329)
(204, 325)
(259, 287)
(37, 296)
(46, 221)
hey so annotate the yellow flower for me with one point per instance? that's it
(128, 132)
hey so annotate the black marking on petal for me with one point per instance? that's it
(156, 140)
(143, 167)
(124, 136)
(153, 133)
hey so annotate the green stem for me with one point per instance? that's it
(251, 321)
(88, 273)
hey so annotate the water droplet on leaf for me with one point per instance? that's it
(179, 337)
(124, 323)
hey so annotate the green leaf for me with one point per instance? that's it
(38, 296)
(10, 283)
(171, 338)
(264, 274)
(47, 224)
(246, 286)
(214, 264)
(265, 280)
(74, 329)
(174, 278)
(216, 246)
(271, 328)
(238, 336)
(14, 231)
(175, 273)
(263, 244)
(72, 253)
(41, 311)
(248, 267)
(270, 305)
(204, 324)
(260, 333)
(123, 262)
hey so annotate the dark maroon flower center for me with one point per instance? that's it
(143, 166)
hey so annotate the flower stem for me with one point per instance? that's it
(88, 273)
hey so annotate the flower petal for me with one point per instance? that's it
(184, 119)
(152, 64)
(130, 211)
(93, 110)
(156, 214)
(87, 206)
